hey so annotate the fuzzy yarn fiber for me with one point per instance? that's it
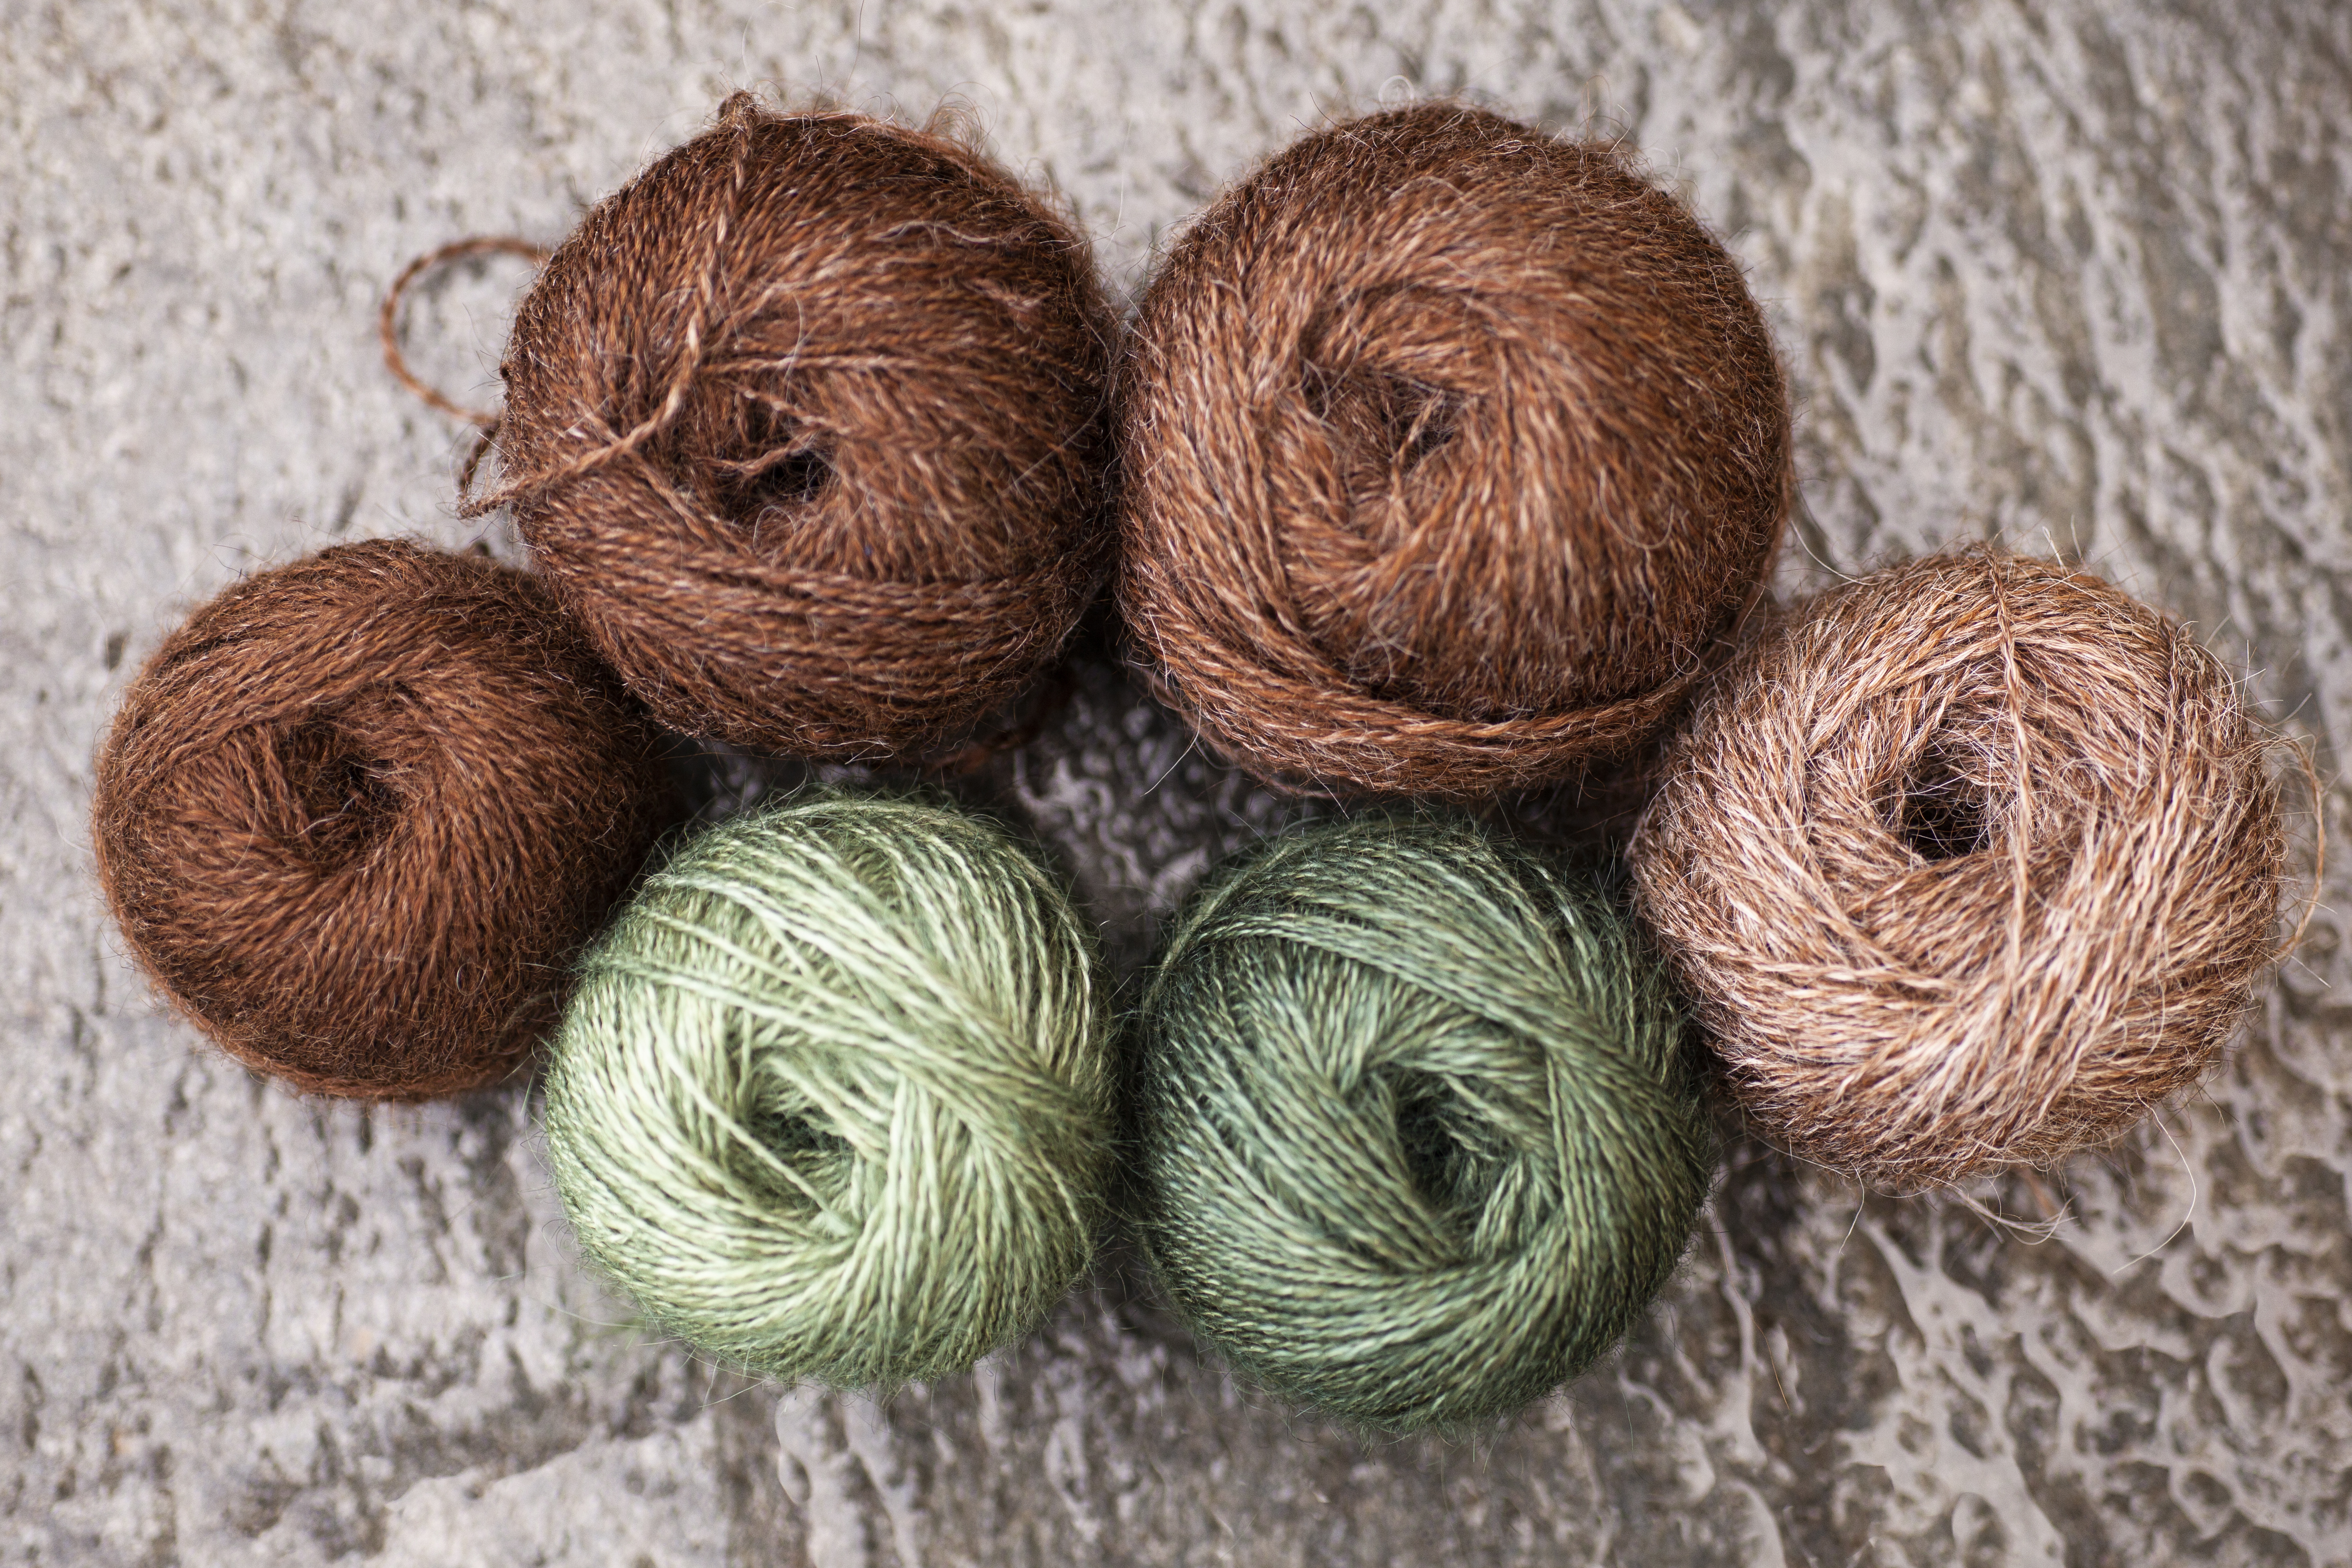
(833, 1100)
(1452, 451)
(1966, 865)
(809, 425)
(1417, 1139)
(357, 813)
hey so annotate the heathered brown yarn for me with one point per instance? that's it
(808, 426)
(387, 318)
(356, 815)
(1450, 451)
(1968, 863)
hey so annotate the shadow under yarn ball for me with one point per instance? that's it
(1416, 1135)
(833, 1098)
(1450, 452)
(1966, 865)
(808, 426)
(357, 813)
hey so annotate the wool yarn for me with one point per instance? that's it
(833, 1099)
(1416, 1138)
(387, 317)
(1968, 864)
(1449, 451)
(808, 426)
(357, 813)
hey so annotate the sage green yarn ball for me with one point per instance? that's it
(831, 1099)
(1418, 1139)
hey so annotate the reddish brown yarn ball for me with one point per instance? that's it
(1968, 864)
(808, 426)
(357, 814)
(1450, 452)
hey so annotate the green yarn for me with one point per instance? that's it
(833, 1098)
(1418, 1140)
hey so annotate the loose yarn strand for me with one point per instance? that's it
(387, 321)
(736, 114)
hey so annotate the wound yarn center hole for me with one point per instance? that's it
(1387, 423)
(340, 797)
(798, 1139)
(1942, 814)
(795, 480)
(793, 1137)
(792, 1130)
(1445, 1169)
(785, 472)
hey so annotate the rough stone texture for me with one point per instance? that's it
(2073, 276)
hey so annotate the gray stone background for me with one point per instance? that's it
(2071, 273)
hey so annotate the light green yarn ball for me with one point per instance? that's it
(831, 1099)
(1418, 1139)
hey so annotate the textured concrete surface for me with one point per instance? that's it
(2069, 273)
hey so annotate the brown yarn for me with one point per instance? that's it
(357, 813)
(808, 426)
(1969, 863)
(1451, 450)
(387, 318)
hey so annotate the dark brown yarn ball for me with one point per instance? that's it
(1450, 452)
(357, 814)
(1966, 865)
(808, 426)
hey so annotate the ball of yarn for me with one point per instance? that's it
(1416, 1138)
(833, 1099)
(1968, 863)
(1450, 451)
(808, 426)
(357, 814)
